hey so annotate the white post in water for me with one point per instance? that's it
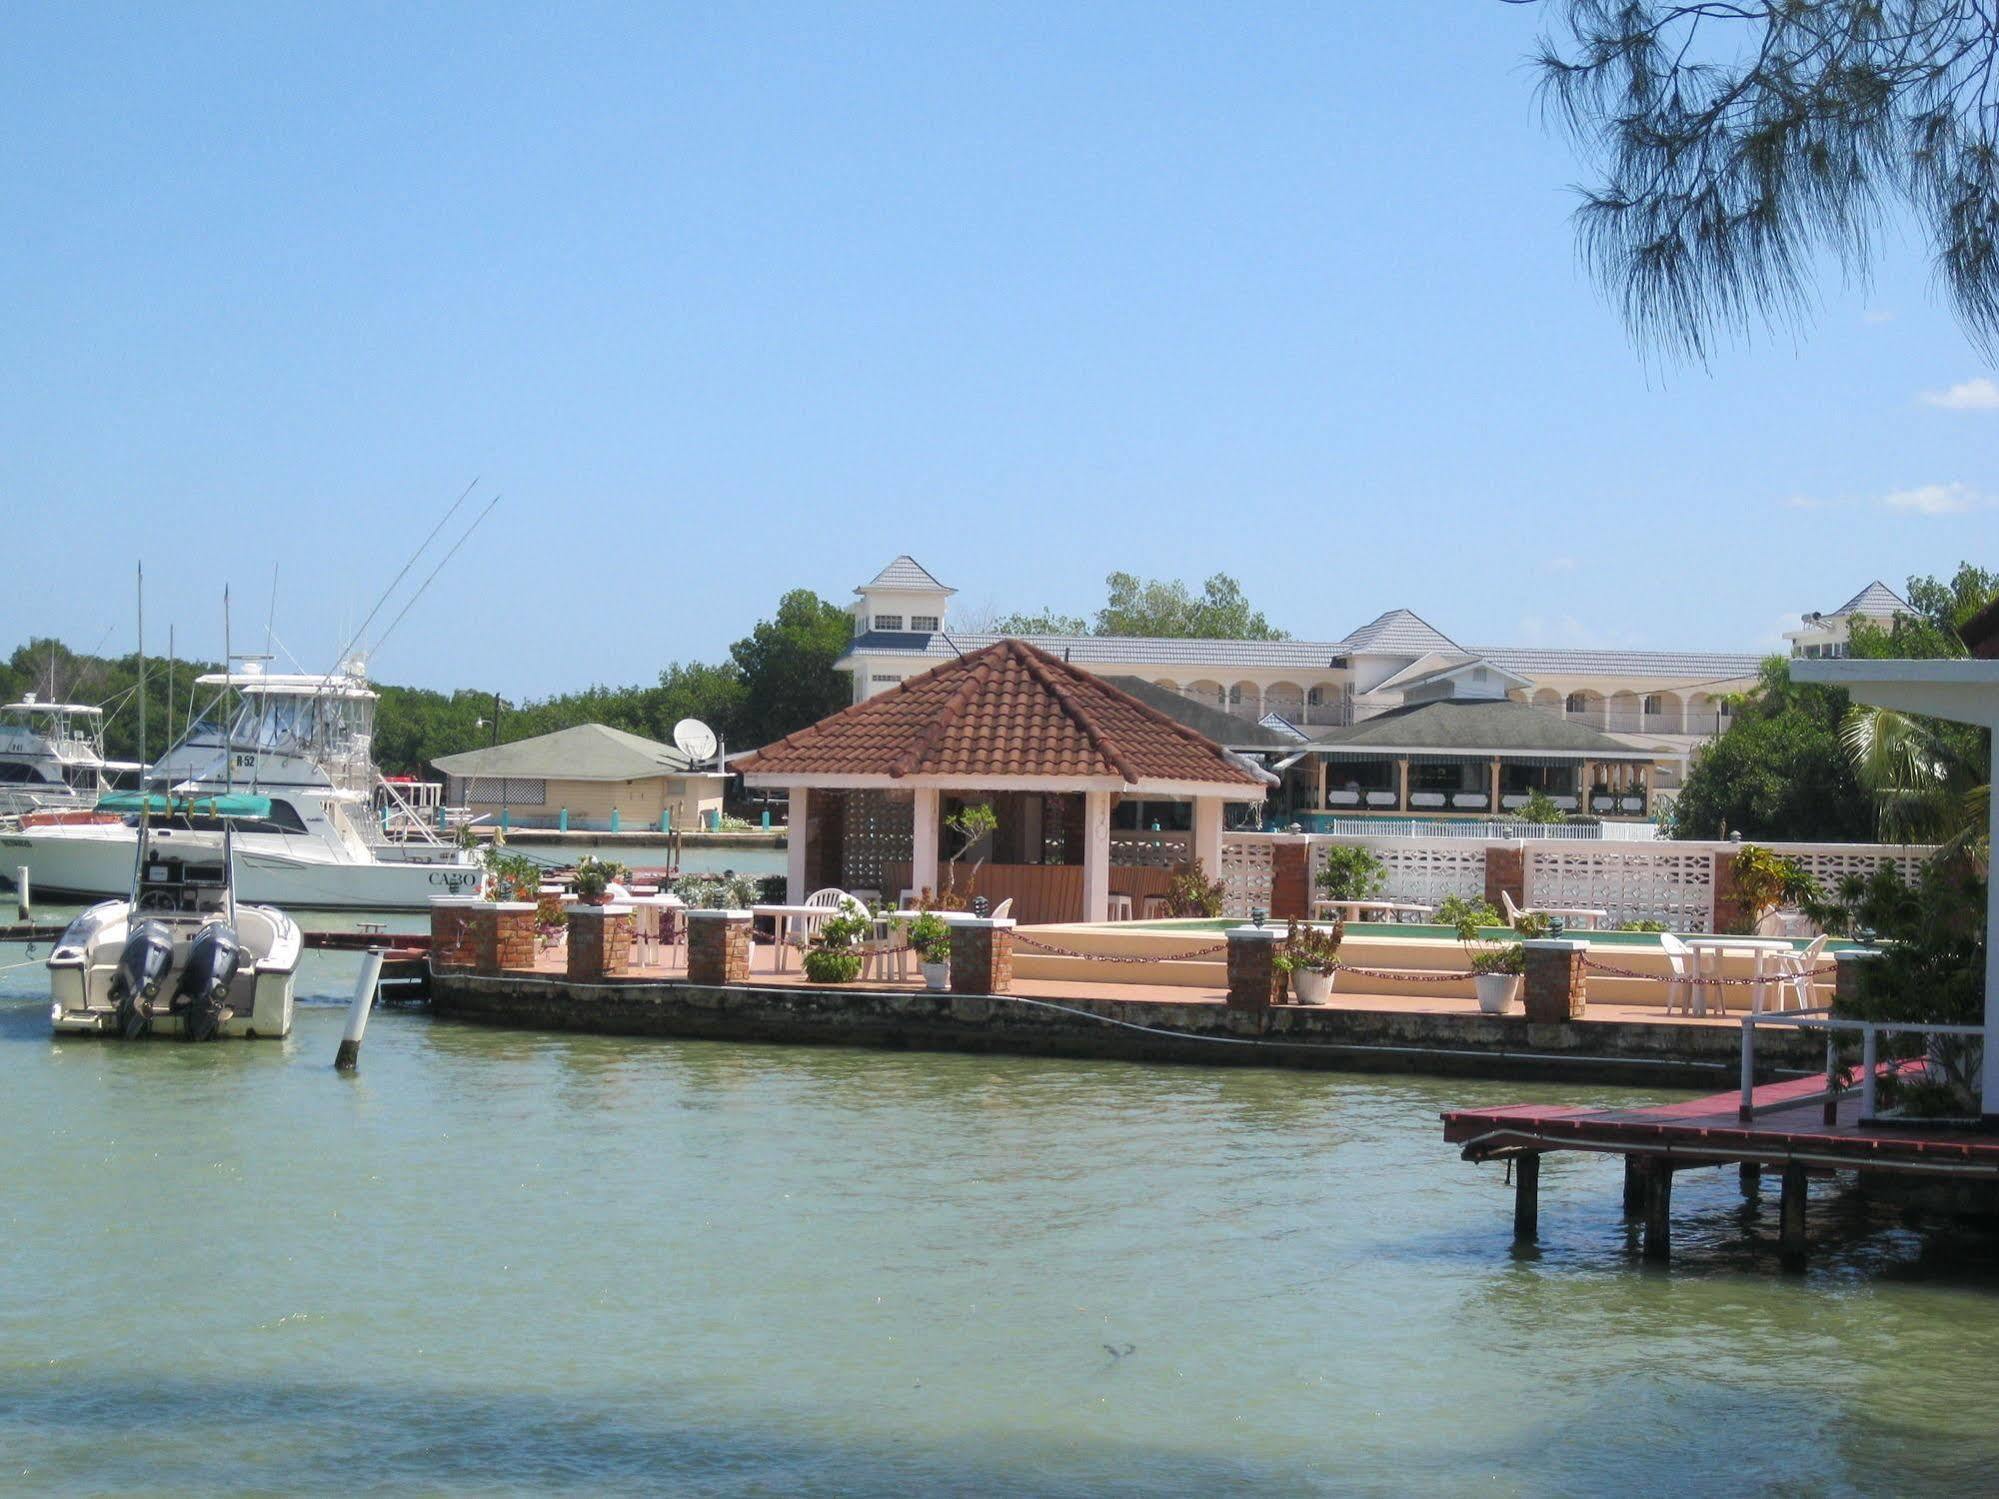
(21, 892)
(349, 1056)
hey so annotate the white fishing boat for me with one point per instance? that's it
(52, 758)
(302, 743)
(179, 956)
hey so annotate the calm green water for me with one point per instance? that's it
(499, 1262)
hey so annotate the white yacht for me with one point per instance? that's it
(301, 742)
(52, 757)
(178, 956)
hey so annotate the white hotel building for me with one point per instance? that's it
(1395, 717)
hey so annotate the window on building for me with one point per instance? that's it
(888, 621)
(1575, 703)
(882, 678)
(1653, 707)
(1315, 698)
(924, 622)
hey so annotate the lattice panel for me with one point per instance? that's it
(1418, 870)
(1668, 882)
(879, 832)
(1148, 850)
(1245, 874)
(1831, 864)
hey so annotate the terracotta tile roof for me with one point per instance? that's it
(1008, 710)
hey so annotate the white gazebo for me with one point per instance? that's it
(1048, 745)
(1964, 691)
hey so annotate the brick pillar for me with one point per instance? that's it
(1557, 986)
(451, 931)
(1851, 965)
(1254, 982)
(981, 954)
(1505, 874)
(1291, 879)
(501, 934)
(600, 942)
(1730, 913)
(718, 946)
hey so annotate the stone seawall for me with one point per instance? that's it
(1590, 1051)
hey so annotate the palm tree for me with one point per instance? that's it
(1928, 787)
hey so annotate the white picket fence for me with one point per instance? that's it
(1667, 881)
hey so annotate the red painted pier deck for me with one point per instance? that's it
(1789, 1132)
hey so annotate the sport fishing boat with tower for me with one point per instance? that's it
(300, 743)
(52, 759)
(179, 956)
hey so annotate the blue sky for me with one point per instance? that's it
(728, 300)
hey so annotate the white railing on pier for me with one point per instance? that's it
(1822, 1019)
(1488, 832)
(1140, 849)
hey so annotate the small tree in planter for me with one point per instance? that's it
(971, 824)
(1766, 880)
(510, 877)
(550, 920)
(1539, 808)
(1497, 967)
(1351, 872)
(1311, 955)
(1191, 893)
(834, 956)
(594, 876)
(931, 938)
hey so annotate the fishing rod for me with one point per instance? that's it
(477, 521)
(395, 582)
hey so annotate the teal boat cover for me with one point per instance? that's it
(225, 804)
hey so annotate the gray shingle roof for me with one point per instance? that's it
(1877, 599)
(1116, 650)
(1399, 632)
(1454, 724)
(588, 752)
(1532, 661)
(905, 572)
(1204, 718)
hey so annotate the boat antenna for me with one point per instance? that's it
(434, 572)
(271, 617)
(170, 699)
(142, 670)
(228, 667)
(341, 654)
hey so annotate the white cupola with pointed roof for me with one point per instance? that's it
(903, 598)
(1827, 634)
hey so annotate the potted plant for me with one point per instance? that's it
(594, 876)
(550, 920)
(1765, 880)
(834, 956)
(510, 877)
(1351, 872)
(931, 938)
(1497, 967)
(1311, 955)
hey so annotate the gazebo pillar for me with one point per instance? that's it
(797, 820)
(1096, 856)
(923, 841)
(1208, 834)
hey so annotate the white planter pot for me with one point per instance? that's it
(1312, 988)
(1497, 991)
(937, 975)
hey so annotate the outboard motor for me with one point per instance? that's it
(142, 968)
(202, 995)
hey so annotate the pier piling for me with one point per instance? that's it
(1750, 1175)
(21, 893)
(1527, 1197)
(1658, 1211)
(1634, 1186)
(1791, 1218)
(349, 1056)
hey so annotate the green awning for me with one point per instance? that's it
(225, 804)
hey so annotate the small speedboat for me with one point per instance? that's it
(180, 957)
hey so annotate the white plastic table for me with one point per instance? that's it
(1355, 910)
(1709, 952)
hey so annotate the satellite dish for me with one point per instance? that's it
(694, 739)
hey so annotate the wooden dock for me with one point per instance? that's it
(1790, 1132)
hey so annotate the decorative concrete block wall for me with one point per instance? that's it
(718, 946)
(600, 942)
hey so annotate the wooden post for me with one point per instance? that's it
(1658, 1210)
(1634, 1185)
(1493, 805)
(1791, 1218)
(1402, 784)
(1527, 1197)
(1750, 1176)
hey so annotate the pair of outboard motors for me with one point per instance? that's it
(201, 994)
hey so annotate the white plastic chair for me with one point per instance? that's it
(645, 935)
(1794, 972)
(1512, 911)
(1003, 909)
(1680, 987)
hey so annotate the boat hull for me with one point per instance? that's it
(93, 862)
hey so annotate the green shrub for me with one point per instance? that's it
(1645, 924)
(931, 938)
(1310, 949)
(1508, 958)
(826, 965)
(1351, 872)
(1539, 808)
(1191, 893)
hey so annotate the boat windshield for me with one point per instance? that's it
(334, 730)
